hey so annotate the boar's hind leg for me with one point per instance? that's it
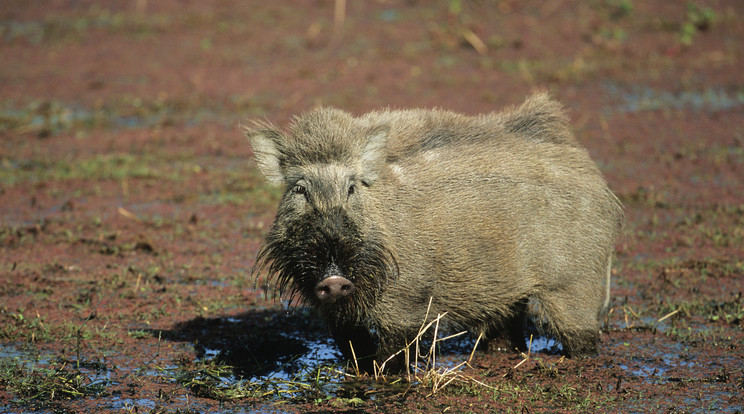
(574, 322)
(581, 343)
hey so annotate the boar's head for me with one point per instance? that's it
(327, 241)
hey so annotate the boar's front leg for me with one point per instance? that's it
(361, 340)
(514, 325)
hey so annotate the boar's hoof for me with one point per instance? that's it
(333, 288)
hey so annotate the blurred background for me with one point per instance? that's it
(210, 59)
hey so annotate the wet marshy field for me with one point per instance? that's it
(131, 209)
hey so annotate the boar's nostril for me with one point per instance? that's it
(333, 288)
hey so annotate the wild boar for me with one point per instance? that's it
(385, 212)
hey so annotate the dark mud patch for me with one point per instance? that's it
(269, 343)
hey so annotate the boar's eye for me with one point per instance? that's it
(352, 188)
(299, 189)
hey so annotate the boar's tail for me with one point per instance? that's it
(617, 207)
(606, 304)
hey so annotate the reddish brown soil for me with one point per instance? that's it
(131, 211)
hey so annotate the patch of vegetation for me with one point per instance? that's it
(646, 196)
(108, 245)
(19, 327)
(729, 312)
(699, 19)
(245, 187)
(139, 334)
(611, 36)
(44, 118)
(98, 167)
(619, 8)
(523, 396)
(694, 334)
(687, 274)
(58, 381)
(216, 380)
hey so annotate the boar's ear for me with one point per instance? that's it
(373, 154)
(266, 144)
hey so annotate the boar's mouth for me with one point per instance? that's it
(297, 256)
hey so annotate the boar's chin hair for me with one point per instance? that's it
(295, 267)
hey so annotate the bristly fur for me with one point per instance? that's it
(483, 214)
(296, 264)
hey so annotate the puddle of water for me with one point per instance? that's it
(131, 404)
(321, 364)
(211, 353)
(28, 360)
(710, 398)
(656, 363)
(644, 371)
(11, 352)
(237, 408)
(543, 344)
(644, 322)
(319, 353)
(56, 117)
(642, 98)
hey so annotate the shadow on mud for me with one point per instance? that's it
(282, 345)
(269, 343)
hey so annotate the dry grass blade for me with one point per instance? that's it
(431, 375)
(668, 315)
(472, 353)
(128, 214)
(526, 356)
(356, 362)
(476, 42)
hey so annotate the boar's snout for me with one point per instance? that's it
(333, 288)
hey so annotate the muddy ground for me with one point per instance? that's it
(131, 210)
